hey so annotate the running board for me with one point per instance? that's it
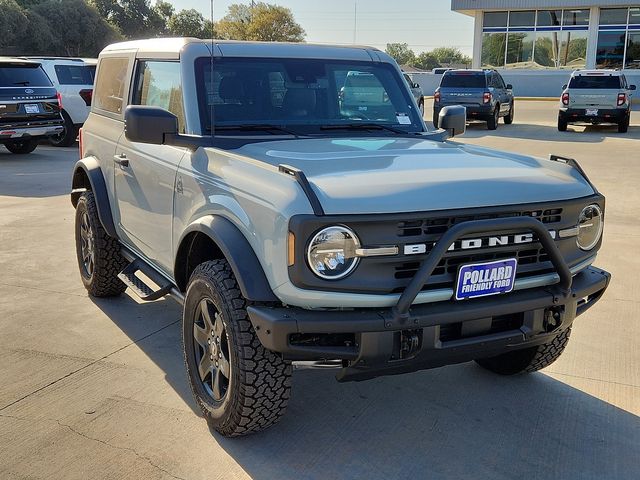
(139, 287)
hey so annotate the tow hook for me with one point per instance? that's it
(552, 319)
(409, 343)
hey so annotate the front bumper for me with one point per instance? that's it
(376, 342)
(8, 134)
(611, 115)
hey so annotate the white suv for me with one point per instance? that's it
(73, 78)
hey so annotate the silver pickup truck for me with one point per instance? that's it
(292, 199)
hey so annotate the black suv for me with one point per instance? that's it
(483, 93)
(29, 105)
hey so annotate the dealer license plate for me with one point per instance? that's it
(31, 108)
(591, 112)
(483, 279)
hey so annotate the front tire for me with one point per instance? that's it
(421, 107)
(240, 386)
(436, 116)
(529, 359)
(22, 147)
(68, 136)
(99, 257)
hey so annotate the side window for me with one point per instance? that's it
(158, 84)
(110, 84)
(499, 80)
(74, 74)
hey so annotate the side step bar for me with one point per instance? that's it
(139, 287)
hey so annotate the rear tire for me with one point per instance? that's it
(492, 122)
(240, 386)
(562, 125)
(68, 135)
(435, 119)
(623, 126)
(508, 120)
(529, 359)
(22, 147)
(421, 107)
(99, 257)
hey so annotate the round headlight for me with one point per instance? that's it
(590, 225)
(332, 252)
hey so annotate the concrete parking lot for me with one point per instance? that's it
(96, 388)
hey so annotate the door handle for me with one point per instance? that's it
(121, 160)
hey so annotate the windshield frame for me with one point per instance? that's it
(305, 127)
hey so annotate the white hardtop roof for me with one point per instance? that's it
(234, 47)
(602, 72)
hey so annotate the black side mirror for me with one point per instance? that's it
(509, 86)
(416, 85)
(564, 87)
(632, 87)
(453, 119)
(158, 126)
(145, 124)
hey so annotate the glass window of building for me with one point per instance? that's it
(520, 49)
(613, 16)
(634, 16)
(610, 50)
(546, 49)
(633, 51)
(525, 18)
(493, 49)
(573, 49)
(575, 17)
(495, 19)
(549, 18)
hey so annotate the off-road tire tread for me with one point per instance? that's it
(109, 261)
(527, 360)
(263, 377)
(492, 121)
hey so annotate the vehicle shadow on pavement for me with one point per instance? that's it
(48, 175)
(455, 422)
(548, 133)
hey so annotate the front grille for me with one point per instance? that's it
(420, 231)
(437, 226)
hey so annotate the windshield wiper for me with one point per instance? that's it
(255, 127)
(364, 126)
(25, 83)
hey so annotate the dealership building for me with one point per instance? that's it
(537, 43)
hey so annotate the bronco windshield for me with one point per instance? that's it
(303, 96)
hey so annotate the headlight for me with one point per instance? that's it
(332, 252)
(590, 225)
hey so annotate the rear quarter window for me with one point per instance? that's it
(23, 75)
(111, 84)
(587, 82)
(463, 80)
(75, 74)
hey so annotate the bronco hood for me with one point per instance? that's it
(384, 175)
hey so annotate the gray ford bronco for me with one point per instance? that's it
(298, 215)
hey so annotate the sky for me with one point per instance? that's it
(423, 24)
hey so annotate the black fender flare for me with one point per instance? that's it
(237, 250)
(88, 168)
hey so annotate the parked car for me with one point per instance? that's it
(73, 78)
(440, 70)
(596, 97)
(416, 91)
(29, 105)
(482, 92)
(292, 228)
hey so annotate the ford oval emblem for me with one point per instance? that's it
(28, 90)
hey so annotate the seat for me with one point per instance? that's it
(299, 102)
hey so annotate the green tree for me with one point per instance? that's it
(134, 18)
(90, 32)
(12, 21)
(401, 53)
(260, 22)
(426, 61)
(449, 55)
(164, 10)
(189, 23)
